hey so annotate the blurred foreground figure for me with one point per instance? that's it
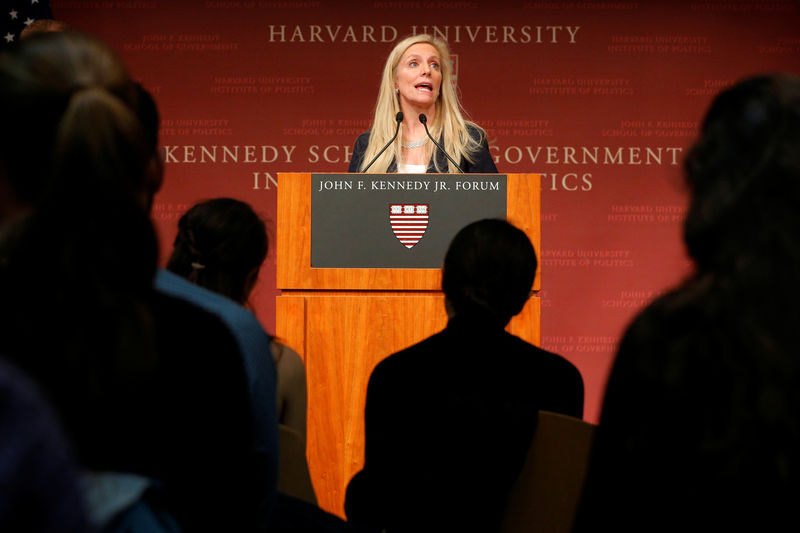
(700, 428)
(39, 484)
(146, 385)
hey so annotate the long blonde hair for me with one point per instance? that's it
(449, 119)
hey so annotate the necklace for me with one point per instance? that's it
(415, 144)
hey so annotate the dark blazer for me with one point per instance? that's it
(484, 164)
(448, 424)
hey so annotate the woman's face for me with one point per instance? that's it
(419, 76)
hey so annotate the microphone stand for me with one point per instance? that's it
(424, 120)
(398, 118)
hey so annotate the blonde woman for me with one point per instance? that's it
(417, 79)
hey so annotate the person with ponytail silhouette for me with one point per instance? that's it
(221, 245)
(145, 384)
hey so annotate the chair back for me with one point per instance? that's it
(545, 496)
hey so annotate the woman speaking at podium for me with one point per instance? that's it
(417, 104)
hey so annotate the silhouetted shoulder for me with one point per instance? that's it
(559, 380)
(494, 360)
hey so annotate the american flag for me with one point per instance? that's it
(17, 14)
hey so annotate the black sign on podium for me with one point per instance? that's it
(396, 220)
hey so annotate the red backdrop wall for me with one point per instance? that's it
(601, 97)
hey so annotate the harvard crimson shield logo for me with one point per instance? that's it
(409, 222)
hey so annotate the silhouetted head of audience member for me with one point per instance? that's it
(744, 178)
(488, 271)
(77, 154)
(221, 244)
(78, 263)
(66, 100)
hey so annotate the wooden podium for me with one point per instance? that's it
(344, 321)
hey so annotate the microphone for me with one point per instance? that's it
(398, 118)
(424, 120)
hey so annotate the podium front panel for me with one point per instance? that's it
(396, 220)
(294, 267)
(344, 321)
